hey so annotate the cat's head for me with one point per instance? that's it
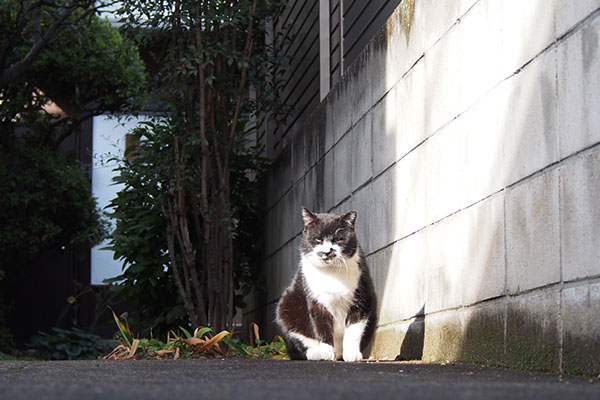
(328, 237)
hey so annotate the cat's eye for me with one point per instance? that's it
(318, 240)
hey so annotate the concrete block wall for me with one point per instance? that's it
(469, 144)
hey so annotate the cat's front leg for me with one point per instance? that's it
(322, 322)
(315, 350)
(320, 351)
(352, 338)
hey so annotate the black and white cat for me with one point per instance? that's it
(329, 310)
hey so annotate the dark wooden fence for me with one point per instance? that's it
(350, 26)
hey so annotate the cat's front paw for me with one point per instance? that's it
(352, 355)
(322, 351)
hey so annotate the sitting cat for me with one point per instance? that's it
(329, 310)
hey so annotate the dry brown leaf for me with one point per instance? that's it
(176, 354)
(254, 330)
(194, 341)
(163, 352)
(210, 343)
(133, 349)
(115, 354)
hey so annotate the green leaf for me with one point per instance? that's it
(185, 332)
(203, 331)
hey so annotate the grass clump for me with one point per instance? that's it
(202, 343)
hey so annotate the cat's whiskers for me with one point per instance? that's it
(341, 257)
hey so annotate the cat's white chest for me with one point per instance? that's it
(332, 287)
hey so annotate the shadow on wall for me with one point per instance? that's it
(414, 338)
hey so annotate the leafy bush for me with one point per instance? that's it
(140, 235)
(73, 344)
(45, 203)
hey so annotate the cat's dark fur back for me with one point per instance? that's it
(329, 310)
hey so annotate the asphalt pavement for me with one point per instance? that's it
(278, 379)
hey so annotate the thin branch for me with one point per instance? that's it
(240, 92)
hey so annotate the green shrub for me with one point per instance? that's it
(73, 344)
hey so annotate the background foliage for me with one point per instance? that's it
(53, 51)
(45, 204)
(194, 167)
(140, 236)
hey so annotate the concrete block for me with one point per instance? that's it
(406, 115)
(409, 185)
(361, 151)
(382, 209)
(580, 216)
(359, 92)
(287, 217)
(464, 6)
(444, 170)
(442, 81)
(379, 265)
(338, 117)
(279, 269)
(272, 271)
(480, 147)
(516, 20)
(315, 129)
(569, 13)
(581, 340)
(579, 89)
(399, 273)
(465, 256)
(279, 177)
(387, 342)
(376, 49)
(342, 169)
(405, 32)
(401, 341)
(362, 202)
(474, 335)
(532, 233)
(481, 34)
(529, 123)
(309, 190)
(439, 17)
(279, 225)
(269, 229)
(483, 334)
(532, 332)
(384, 133)
(298, 147)
(325, 172)
(484, 265)
(443, 337)
(444, 268)
(344, 207)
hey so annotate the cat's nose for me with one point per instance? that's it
(326, 255)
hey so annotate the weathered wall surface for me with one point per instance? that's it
(467, 138)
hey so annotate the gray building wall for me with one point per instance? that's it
(466, 135)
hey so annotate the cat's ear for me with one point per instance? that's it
(349, 218)
(310, 219)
